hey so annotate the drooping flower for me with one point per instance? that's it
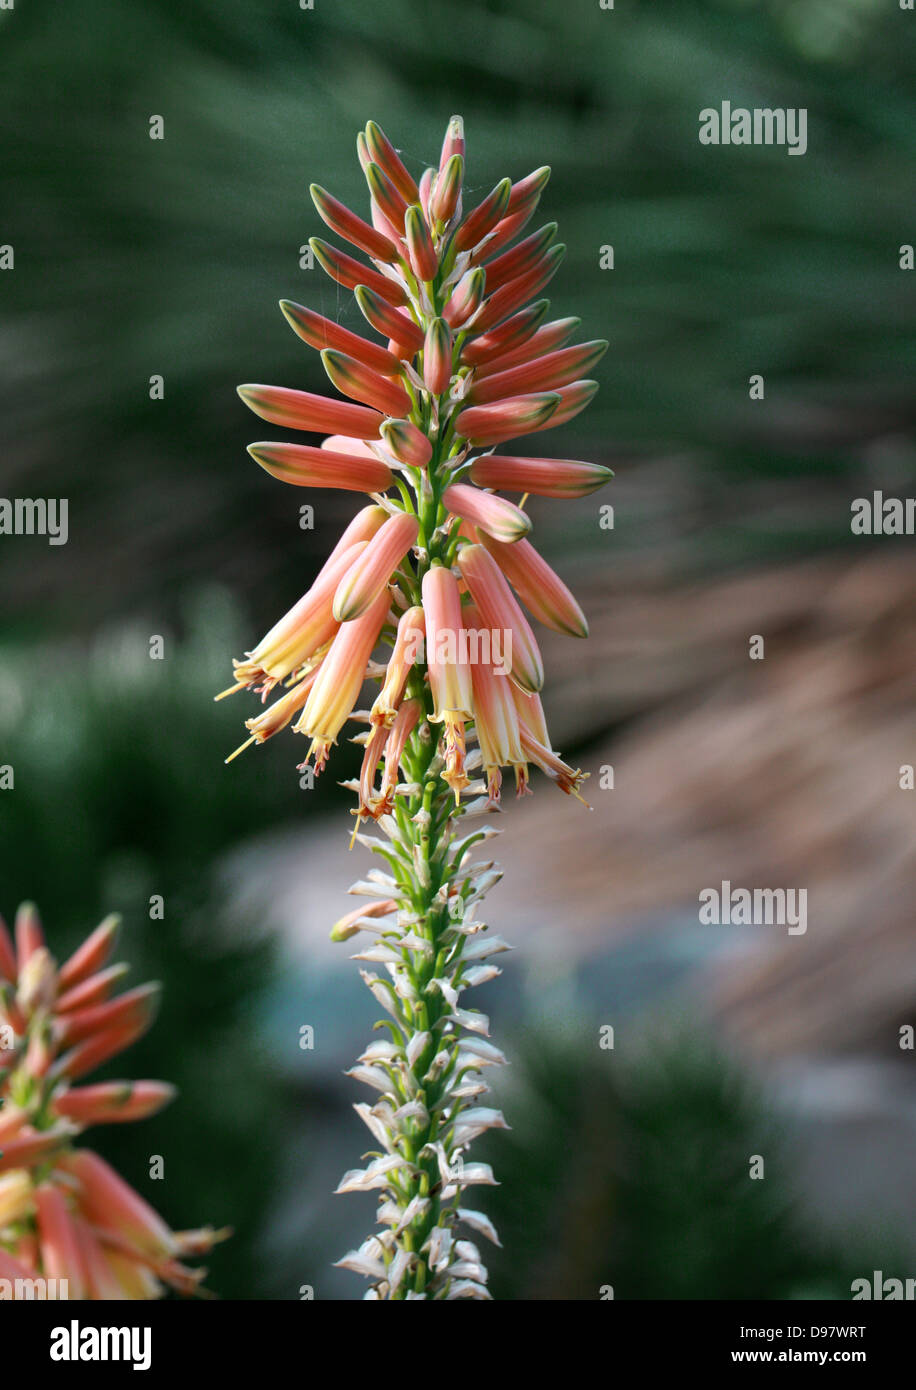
(448, 667)
(65, 1215)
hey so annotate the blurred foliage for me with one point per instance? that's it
(136, 256)
(633, 1171)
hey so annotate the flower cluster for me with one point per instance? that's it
(436, 570)
(65, 1214)
(467, 364)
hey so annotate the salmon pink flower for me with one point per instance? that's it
(406, 652)
(484, 217)
(466, 298)
(321, 333)
(349, 925)
(544, 477)
(406, 443)
(541, 590)
(300, 410)
(361, 383)
(546, 372)
(352, 228)
(371, 571)
(449, 669)
(493, 424)
(509, 297)
(567, 778)
(492, 514)
(500, 613)
(522, 258)
(340, 678)
(496, 722)
(424, 261)
(305, 466)
(304, 631)
(437, 357)
(386, 156)
(445, 196)
(546, 338)
(573, 400)
(385, 319)
(386, 198)
(406, 720)
(349, 272)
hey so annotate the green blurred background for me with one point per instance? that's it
(136, 257)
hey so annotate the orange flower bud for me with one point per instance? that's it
(320, 333)
(558, 478)
(492, 514)
(352, 228)
(349, 272)
(437, 357)
(305, 466)
(301, 410)
(541, 590)
(360, 382)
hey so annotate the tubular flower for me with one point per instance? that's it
(424, 594)
(544, 477)
(370, 572)
(496, 720)
(448, 668)
(406, 653)
(304, 466)
(65, 1215)
(340, 678)
(500, 612)
(541, 591)
(494, 515)
(304, 630)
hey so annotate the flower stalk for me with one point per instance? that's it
(436, 572)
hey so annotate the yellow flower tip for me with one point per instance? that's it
(572, 789)
(241, 748)
(231, 691)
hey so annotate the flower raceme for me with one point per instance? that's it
(466, 364)
(426, 592)
(64, 1213)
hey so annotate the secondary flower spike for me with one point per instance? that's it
(65, 1215)
(422, 601)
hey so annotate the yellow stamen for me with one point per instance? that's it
(241, 748)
